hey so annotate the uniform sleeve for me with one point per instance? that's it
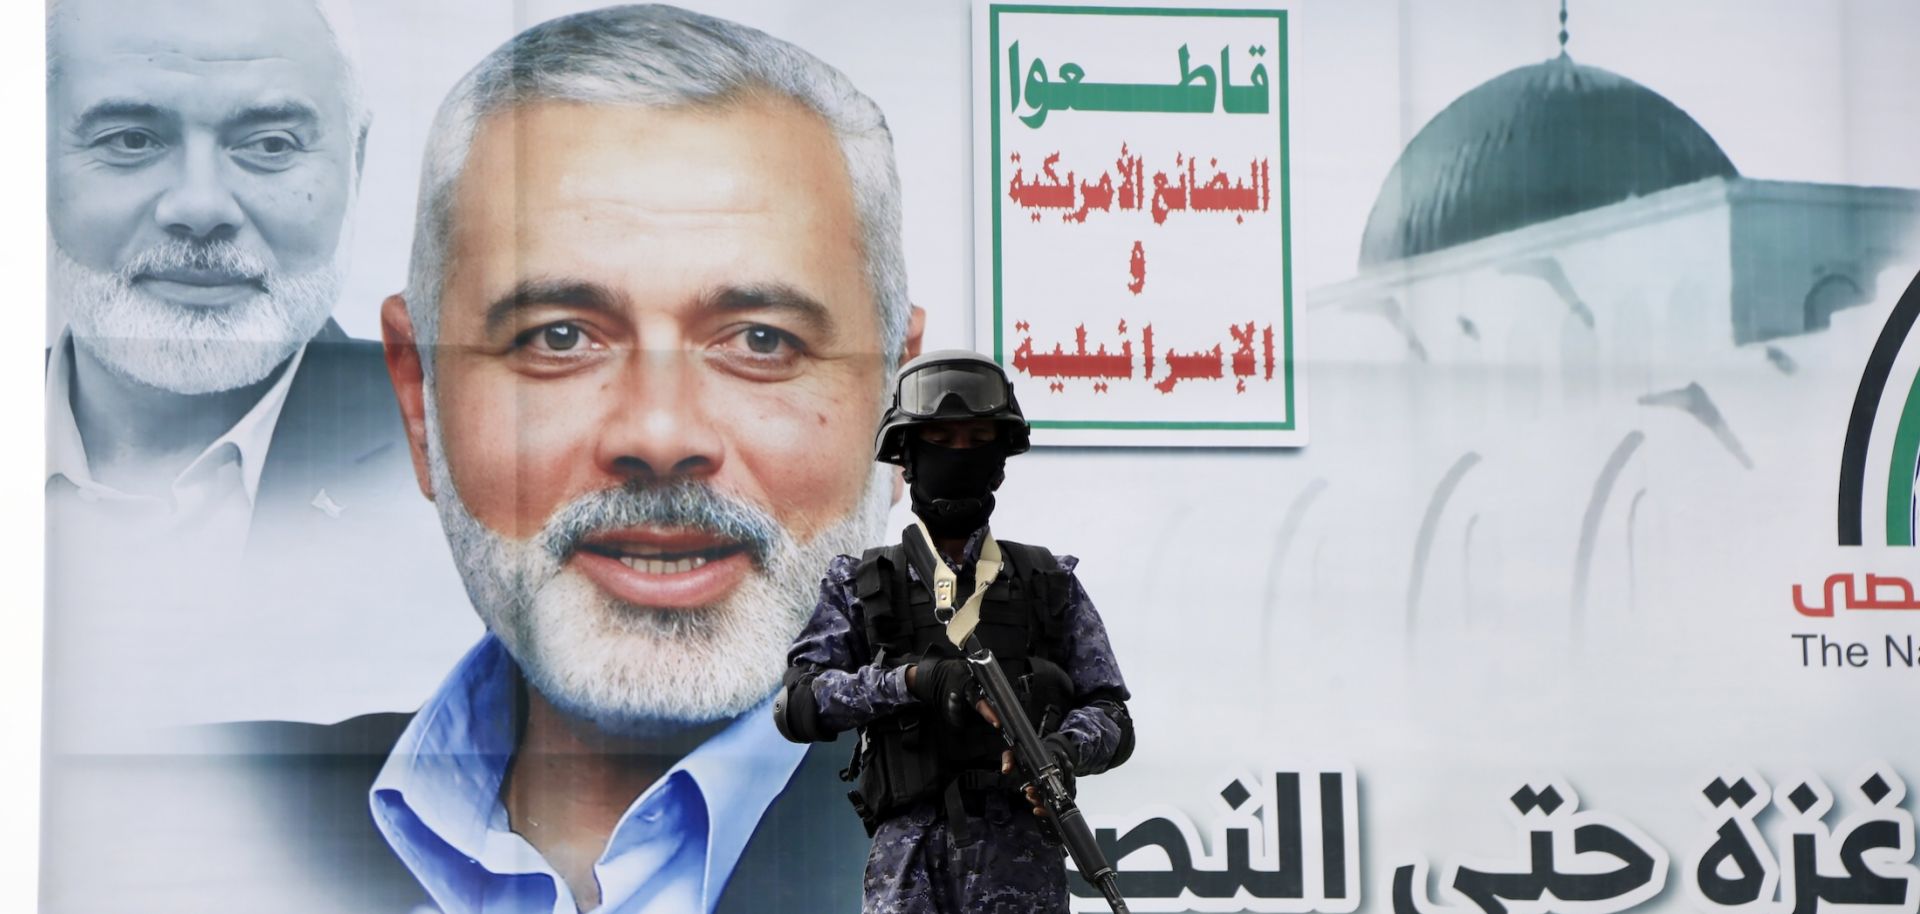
(848, 688)
(1094, 726)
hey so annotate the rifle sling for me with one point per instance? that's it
(961, 622)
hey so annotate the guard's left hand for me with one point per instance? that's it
(1039, 808)
(1006, 761)
(1033, 796)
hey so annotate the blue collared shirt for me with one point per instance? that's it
(437, 801)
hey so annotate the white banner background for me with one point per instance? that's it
(1265, 604)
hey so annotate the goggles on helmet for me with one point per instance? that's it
(981, 390)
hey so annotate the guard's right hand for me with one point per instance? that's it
(940, 683)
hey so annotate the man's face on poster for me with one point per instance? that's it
(657, 374)
(200, 160)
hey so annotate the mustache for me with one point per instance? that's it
(176, 254)
(682, 503)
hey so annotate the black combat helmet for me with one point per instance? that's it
(949, 384)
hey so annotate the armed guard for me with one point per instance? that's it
(952, 830)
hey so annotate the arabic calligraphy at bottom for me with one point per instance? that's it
(1291, 844)
(1862, 863)
(1572, 861)
(1261, 859)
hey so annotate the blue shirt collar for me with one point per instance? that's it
(970, 553)
(437, 799)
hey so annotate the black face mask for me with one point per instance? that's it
(953, 487)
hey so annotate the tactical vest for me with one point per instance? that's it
(916, 754)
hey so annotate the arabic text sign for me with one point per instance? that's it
(1133, 223)
(1289, 844)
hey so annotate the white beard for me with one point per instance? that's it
(634, 671)
(184, 349)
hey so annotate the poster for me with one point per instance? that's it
(1592, 589)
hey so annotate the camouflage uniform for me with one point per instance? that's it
(916, 864)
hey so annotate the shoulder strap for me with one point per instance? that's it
(879, 583)
(1039, 573)
(869, 575)
(1029, 559)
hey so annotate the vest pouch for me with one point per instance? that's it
(897, 770)
(870, 789)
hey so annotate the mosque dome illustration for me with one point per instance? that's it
(1534, 144)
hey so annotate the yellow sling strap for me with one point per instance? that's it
(962, 622)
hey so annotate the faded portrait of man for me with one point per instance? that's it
(655, 297)
(217, 447)
(202, 162)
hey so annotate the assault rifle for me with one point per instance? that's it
(1049, 782)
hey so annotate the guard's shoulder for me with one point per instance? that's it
(842, 570)
(1064, 562)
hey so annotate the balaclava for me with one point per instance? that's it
(953, 487)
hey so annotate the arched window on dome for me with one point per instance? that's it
(1831, 293)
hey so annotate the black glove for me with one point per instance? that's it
(1048, 683)
(1063, 755)
(943, 684)
(1048, 691)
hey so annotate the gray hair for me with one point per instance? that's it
(336, 17)
(659, 57)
